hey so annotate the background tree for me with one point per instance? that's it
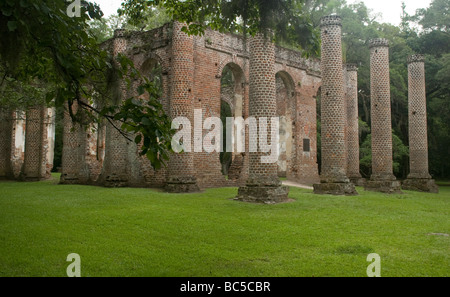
(287, 19)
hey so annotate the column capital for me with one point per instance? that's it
(352, 67)
(118, 33)
(331, 20)
(378, 42)
(416, 58)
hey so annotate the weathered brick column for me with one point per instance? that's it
(353, 126)
(34, 165)
(263, 184)
(418, 179)
(382, 178)
(6, 144)
(333, 178)
(120, 153)
(181, 175)
(74, 168)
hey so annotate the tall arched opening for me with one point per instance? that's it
(232, 86)
(286, 110)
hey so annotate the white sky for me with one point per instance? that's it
(390, 9)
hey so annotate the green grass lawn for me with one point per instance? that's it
(145, 232)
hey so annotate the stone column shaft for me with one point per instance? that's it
(418, 178)
(382, 179)
(353, 125)
(181, 174)
(120, 166)
(34, 165)
(6, 143)
(263, 184)
(73, 169)
(333, 178)
(417, 118)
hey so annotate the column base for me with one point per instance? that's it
(383, 186)
(31, 179)
(335, 188)
(357, 181)
(263, 194)
(262, 189)
(115, 181)
(8, 177)
(182, 184)
(67, 179)
(420, 184)
(24, 178)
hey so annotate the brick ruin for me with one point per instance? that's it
(333, 178)
(419, 179)
(263, 183)
(191, 69)
(351, 78)
(382, 178)
(27, 144)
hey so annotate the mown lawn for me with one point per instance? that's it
(144, 232)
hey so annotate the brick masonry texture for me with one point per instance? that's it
(81, 163)
(380, 109)
(333, 105)
(263, 184)
(417, 115)
(333, 113)
(6, 144)
(116, 171)
(181, 166)
(418, 178)
(382, 178)
(352, 132)
(34, 167)
(191, 69)
(210, 54)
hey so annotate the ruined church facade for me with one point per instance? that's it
(190, 70)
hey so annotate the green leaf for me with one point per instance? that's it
(141, 90)
(12, 26)
(138, 139)
(145, 121)
(7, 11)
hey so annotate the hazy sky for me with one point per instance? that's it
(390, 9)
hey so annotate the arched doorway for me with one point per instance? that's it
(232, 105)
(286, 108)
